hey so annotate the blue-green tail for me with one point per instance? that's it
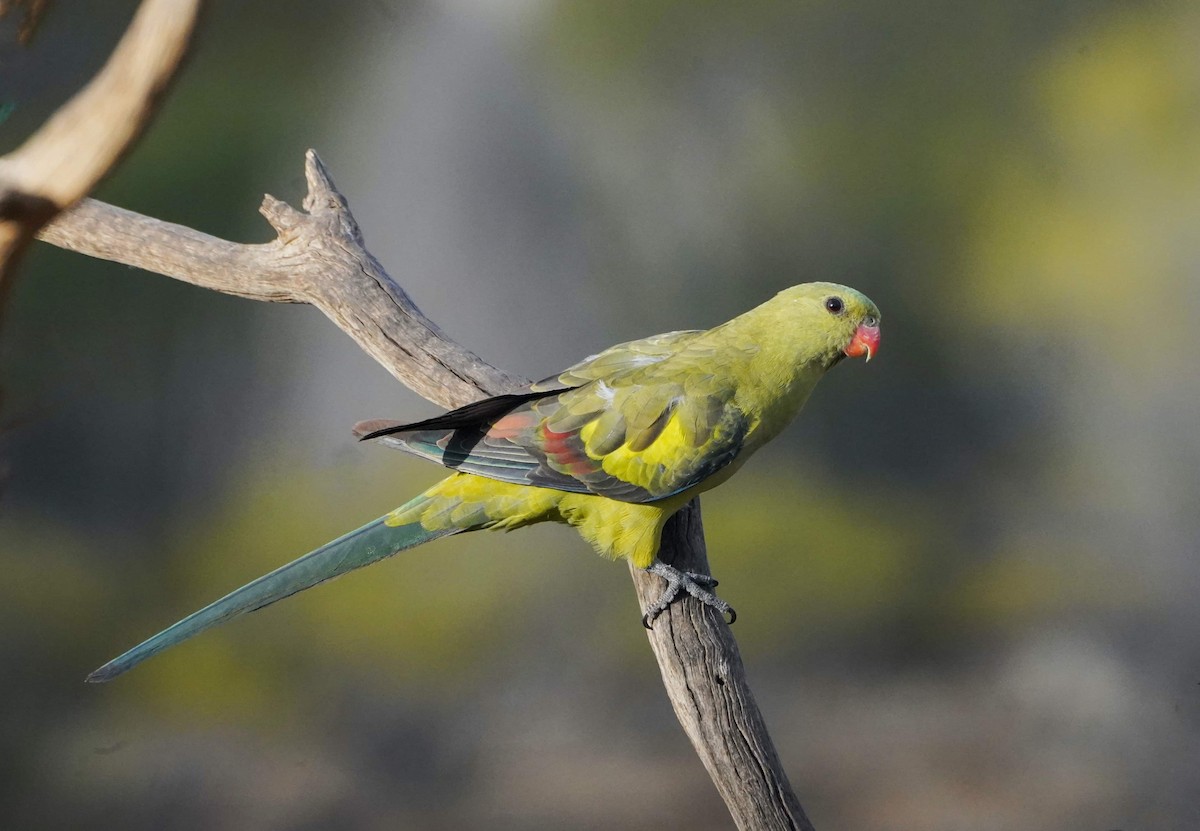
(359, 548)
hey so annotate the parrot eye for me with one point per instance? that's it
(834, 305)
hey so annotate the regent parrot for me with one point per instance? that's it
(613, 446)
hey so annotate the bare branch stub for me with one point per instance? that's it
(319, 257)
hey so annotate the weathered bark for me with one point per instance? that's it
(319, 258)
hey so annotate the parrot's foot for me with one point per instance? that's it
(697, 585)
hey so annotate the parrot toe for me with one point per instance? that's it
(697, 585)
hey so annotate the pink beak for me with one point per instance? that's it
(865, 342)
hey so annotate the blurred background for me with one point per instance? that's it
(966, 577)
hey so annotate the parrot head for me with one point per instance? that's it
(842, 320)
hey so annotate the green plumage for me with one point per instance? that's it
(612, 445)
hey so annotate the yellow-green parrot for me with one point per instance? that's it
(612, 446)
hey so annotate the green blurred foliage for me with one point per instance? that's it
(837, 567)
(1095, 210)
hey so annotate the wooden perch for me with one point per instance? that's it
(81, 143)
(319, 258)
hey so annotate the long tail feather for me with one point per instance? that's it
(369, 544)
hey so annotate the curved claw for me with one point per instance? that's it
(732, 617)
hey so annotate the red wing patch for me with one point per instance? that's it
(512, 425)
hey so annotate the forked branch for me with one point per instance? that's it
(319, 258)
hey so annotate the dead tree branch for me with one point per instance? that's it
(80, 143)
(319, 257)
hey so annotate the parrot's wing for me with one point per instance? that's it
(646, 431)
